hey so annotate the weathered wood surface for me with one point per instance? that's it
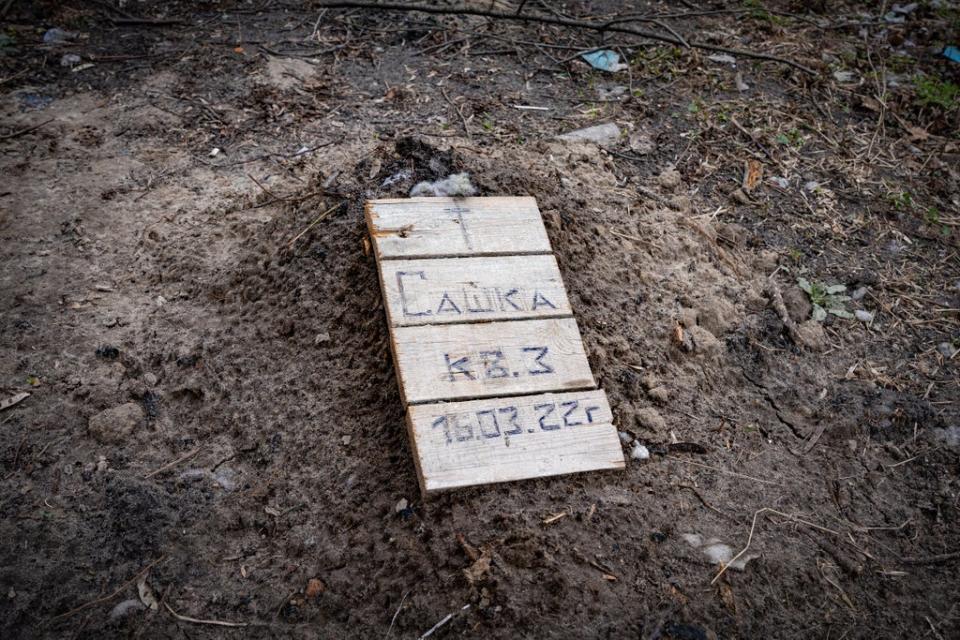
(460, 361)
(443, 227)
(453, 290)
(500, 439)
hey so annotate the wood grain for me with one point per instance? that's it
(446, 227)
(451, 290)
(461, 361)
(500, 439)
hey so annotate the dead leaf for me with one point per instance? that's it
(146, 594)
(726, 597)
(14, 399)
(871, 103)
(752, 175)
(918, 134)
(676, 336)
(314, 588)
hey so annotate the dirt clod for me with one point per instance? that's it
(116, 425)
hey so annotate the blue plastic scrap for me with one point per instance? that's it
(952, 53)
(604, 60)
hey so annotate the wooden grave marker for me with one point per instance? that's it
(489, 358)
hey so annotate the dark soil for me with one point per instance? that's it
(252, 461)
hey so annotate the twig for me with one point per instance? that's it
(560, 21)
(319, 219)
(396, 613)
(754, 526)
(701, 498)
(17, 134)
(170, 465)
(463, 120)
(442, 622)
(219, 623)
(108, 598)
(720, 470)
(943, 557)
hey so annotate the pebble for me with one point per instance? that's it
(69, 60)
(608, 133)
(321, 338)
(863, 316)
(401, 505)
(639, 452)
(946, 349)
(149, 379)
(625, 437)
(859, 293)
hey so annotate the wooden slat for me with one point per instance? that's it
(460, 361)
(450, 290)
(482, 441)
(439, 227)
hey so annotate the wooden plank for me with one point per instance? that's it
(445, 227)
(460, 361)
(448, 290)
(482, 441)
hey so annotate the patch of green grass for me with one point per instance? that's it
(791, 138)
(901, 200)
(826, 299)
(933, 92)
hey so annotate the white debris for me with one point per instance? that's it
(625, 437)
(69, 60)
(608, 133)
(863, 316)
(718, 552)
(639, 452)
(125, 608)
(722, 58)
(780, 181)
(457, 185)
(401, 505)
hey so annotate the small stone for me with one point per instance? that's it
(116, 424)
(11, 594)
(641, 143)
(401, 505)
(102, 464)
(625, 437)
(321, 338)
(946, 349)
(69, 60)
(650, 418)
(149, 379)
(600, 134)
(227, 478)
(859, 293)
(345, 440)
(863, 316)
(639, 452)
